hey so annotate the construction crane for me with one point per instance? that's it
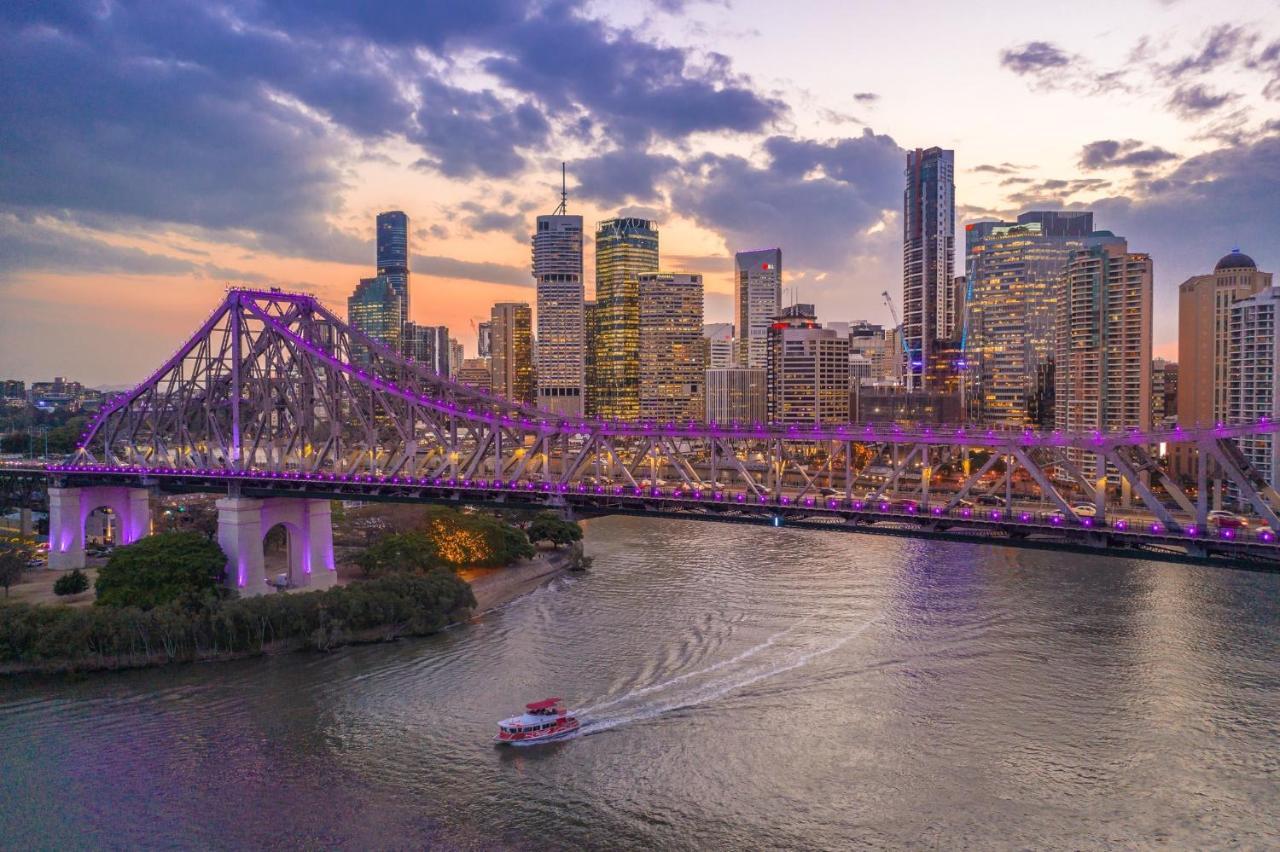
(906, 351)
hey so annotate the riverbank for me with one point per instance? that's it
(494, 587)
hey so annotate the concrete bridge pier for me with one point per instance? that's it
(243, 524)
(69, 508)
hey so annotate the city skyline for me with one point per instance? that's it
(1172, 142)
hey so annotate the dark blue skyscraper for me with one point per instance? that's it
(393, 254)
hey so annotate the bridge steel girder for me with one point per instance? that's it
(274, 385)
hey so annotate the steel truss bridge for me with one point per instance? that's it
(276, 396)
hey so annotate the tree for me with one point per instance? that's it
(400, 553)
(71, 584)
(548, 526)
(175, 566)
(15, 551)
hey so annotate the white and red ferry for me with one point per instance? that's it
(542, 722)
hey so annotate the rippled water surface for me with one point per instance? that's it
(745, 688)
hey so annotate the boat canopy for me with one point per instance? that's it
(545, 704)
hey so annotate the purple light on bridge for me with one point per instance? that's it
(858, 504)
(1266, 535)
(808, 501)
(1156, 528)
(967, 513)
(1025, 517)
(764, 499)
(995, 515)
(742, 498)
(1055, 520)
(1086, 522)
(884, 507)
(1228, 534)
(937, 510)
(1193, 531)
(1122, 525)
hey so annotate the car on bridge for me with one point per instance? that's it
(1222, 519)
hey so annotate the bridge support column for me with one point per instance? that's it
(66, 529)
(243, 523)
(69, 508)
(240, 537)
(24, 523)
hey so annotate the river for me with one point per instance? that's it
(745, 688)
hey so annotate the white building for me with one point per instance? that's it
(808, 372)
(757, 299)
(561, 352)
(1254, 366)
(719, 338)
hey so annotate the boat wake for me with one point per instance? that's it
(709, 683)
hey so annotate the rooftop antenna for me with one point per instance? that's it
(563, 209)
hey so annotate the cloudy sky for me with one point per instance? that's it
(152, 152)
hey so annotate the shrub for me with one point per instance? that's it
(111, 637)
(71, 584)
(160, 569)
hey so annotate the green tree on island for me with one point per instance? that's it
(159, 569)
(411, 553)
(548, 526)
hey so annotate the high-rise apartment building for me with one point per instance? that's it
(557, 271)
(1015, 270)
(484, 339)
(928, 260)
(878, 347)
(807, 371)
(511, 364)
(757, 299)
(1103, 352)
(737, 395)
(672, 364)
(1204, 342)
(455, 354)
(625, 247)
(1253, 376)
(376, 309)
(429, 345)
(393, 255)
(1204, 338)
(590, 324)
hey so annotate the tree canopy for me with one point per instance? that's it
(548, 526)
(158, 569)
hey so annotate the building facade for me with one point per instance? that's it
(557, 273)
(1103, 351)
(672, 363)
(511, 364)
(429, 345)
(376, 309)
(757, 299)
(719, 348)
(737, 395)
(393, 255)
(475, 372)
(928, 259)
(1253, 368)
(625, 247)
(807, 372)
(1015, 270)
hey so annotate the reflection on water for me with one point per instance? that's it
(743, 688)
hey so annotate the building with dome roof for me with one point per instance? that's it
(1204, 340)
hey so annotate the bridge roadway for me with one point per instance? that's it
(1026, 523)
(279, 404)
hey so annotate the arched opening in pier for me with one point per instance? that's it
(282, 549)
(101, 527)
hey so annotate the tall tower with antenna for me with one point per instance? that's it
(557, 273)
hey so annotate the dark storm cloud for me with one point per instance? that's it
(503, 220)
(618, 176)
(1195, 101)
(467, 270)
(234, 117)
(1111, 153)
(1034, 57)
(815, 199)
(1222, 44)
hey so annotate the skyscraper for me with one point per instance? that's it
(928, 260)
(376, 309)
(1253, 371)
(719, 344)
(1102, 367)
(671, 346)
(557, 271)
(807, 371)
(1204, 340)
(511, 364)
(625, 247)
(589, 328)
(428, 345)
(757, 299)
(1015, 270)
(393, 255)
(484, 338)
